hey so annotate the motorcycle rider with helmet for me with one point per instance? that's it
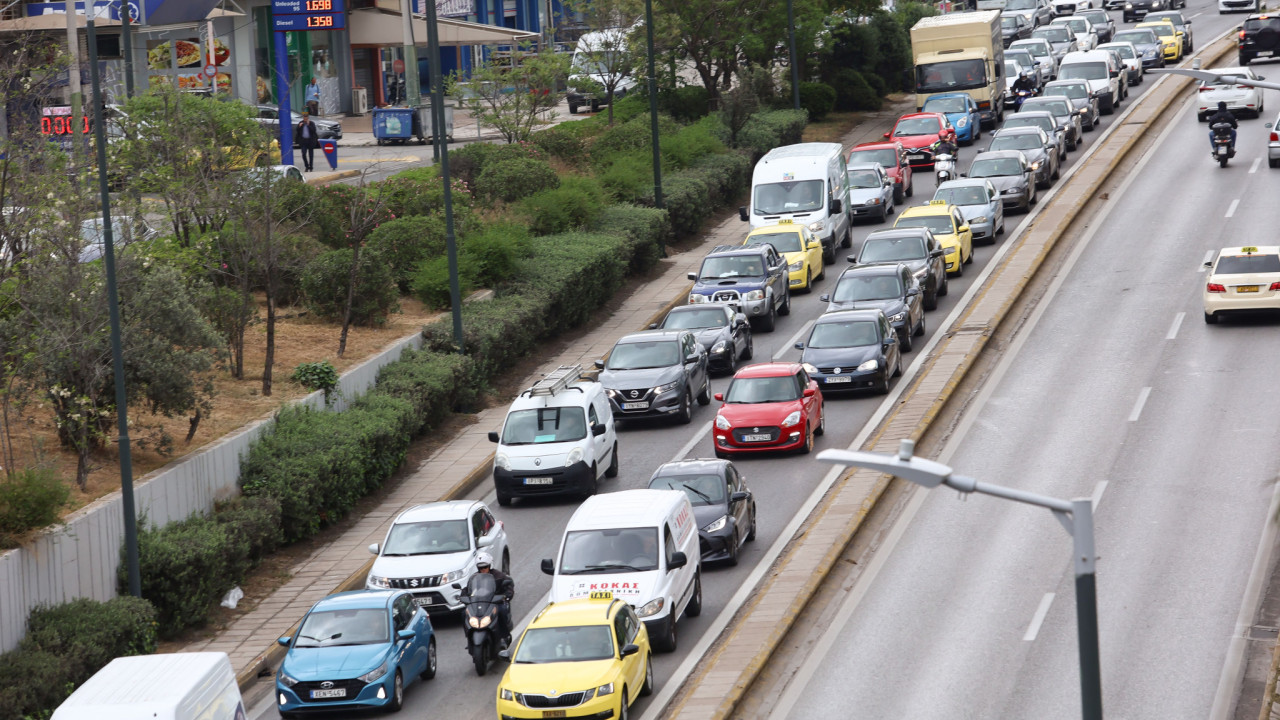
(506, 586)
(1223, 116)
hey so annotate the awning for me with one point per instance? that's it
(370, 27)
(51, 21)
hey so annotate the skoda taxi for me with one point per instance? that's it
(585, 658)
(1242, 279)
(801, 248)
(949, 227)
(1170, 38)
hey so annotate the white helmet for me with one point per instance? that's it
(483, 560)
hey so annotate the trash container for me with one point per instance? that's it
(423, 125)
(392, 123)
(330, 148)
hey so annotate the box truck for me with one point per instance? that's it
(961, 52)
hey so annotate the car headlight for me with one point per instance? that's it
(962, 122)
(695, 298)
(1149, 54)
(482, 622)
(666, 387)
(722, 423)
(379, 582)
(575, 455)
(374, 674)
(816, 226)
(606, 689)
(653, 607)
(792, 419)
(1035, 165)
(753, 295)
(285, 680)
(717, 525)
(501, 461)
(454, 576)
(898, 317)
(921, 273)
(797, 265)
(873, 201)
(506, 694)
(950, 250)
(869, 365)
(979, 219)
(719, 347)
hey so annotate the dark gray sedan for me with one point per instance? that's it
(1046, 122)
(723, 506)
(1063, 113)
(1010, 173)
(1036, 146)
(723, 333)
(1061, 39)
(1082, 101)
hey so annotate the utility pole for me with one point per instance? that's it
(73, 76)
(126, 39)
(412, 84)
(440, 138)
(795, 67)
(653, 109)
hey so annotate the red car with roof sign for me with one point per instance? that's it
(892, 156)
(769, 407)
(920, 134)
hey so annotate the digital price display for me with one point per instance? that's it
(58, 122)
(303, 15)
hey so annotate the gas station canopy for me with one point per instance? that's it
(371, 27)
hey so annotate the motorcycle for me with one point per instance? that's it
(1019, 96)
(944, 166)
(1222, 149)
(481, 619)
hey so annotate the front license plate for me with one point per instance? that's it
(537, 481)
(754, 438)
(553, 713)
(422, 602)
(921, 157)
(635, 406)
(334, 693)
(1246, 288)
(838, 379)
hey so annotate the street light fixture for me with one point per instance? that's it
(1076, 516)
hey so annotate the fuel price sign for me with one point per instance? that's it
(303, 15)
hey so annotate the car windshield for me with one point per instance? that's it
(953, 75)
(1008, 23)
(696, 318)
(334, 628)
(788, 197)
(609, 551)
(971, 195)
(1162, 29)
(433, 537)
(856, 333)
(565, 644)
(732, 266)
(1238, 264)
(995, 167)
(763, 389)
(1052, 34)
(945, 105)
(547, 425)
(876, 250)
(784, 242)
(1083, 71)
(1037, 49)
(644, 355)
(916, 126)
(938, 224)
(1011, 70)
(1096, 17)
(1016, 142)
(1071, 90)
(1124, 51)
(868, 287)
(598, 62)
(1077, 26)
(1057, 107)
(1220, 80)
(888, 157)
(864, 179)
(1137, 37)
(1020, 5)
(701, 489)
(1255, 24)
(1021, 120)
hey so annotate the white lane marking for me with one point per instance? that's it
(697, 438)
(1137, 407)
(1193, 17)
(1232, 210)
(1208, 257)
(1038, 619)
(1173, 329)
(791, 344)
(1098, 489)
(1254, 167)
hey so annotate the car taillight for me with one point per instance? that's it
(1275, 286)
(1215, 287)
(1205, 88)
(1275, 137)
(1241, 36)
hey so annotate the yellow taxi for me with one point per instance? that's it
(584, 658)
(1241, 280)
(801, 248)
(1170, 37)
(949, 227)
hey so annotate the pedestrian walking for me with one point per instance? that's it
(313, 97)
(306, 137)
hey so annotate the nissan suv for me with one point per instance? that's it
(752, 278)
(656, 374)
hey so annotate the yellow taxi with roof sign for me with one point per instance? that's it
(1169, 34)
(949, 227)
(801, 248)
(583, 658)
(1242, 280)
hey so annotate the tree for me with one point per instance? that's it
(360, 210)
(510, 92)
(605, 58)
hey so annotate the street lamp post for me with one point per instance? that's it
(440, 140)
(653, 109)
(1075, 515)
(795, 68)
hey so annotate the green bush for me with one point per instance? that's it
(631, 106)
(770, 129)
(185, 570)
(30, 499)
(252, 525)
(430, 282)
(571, 206)
(511, 179)
(561, 143)
(692, 142)
(628, 177)
(817, 98)
(318, 375)
(727, 176)
(854, 92)
(686, 104)
(407, 241)
(693, 194)
(466, 163)
(496, 251)
(645, 229)
(632, 136)
(326, 278)
(433, 383)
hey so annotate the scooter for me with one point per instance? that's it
(481, 619)
(1222, 150)
(1019, 96)
(944, 166)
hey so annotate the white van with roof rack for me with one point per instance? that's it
(559, 438)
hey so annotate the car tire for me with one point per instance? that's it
(594, 487)
(504, 499)
(1210, 319)
(768, 322)
(911, 189)
(1273, 163)
(829, 254)
(647, 689)
(686, 409)
(694, 608)
(969, 260)
(846, 243)
(1057, 172)
(751, 534)
(749, 351)
(397, 694)
(1245, 60)
(704, 395)
(883, 387)
(732, 560)
(623, 710)
(573, 108)
(898, 194)
(823, 272)
(897, 370)
(807, 447)
(786, 303)
(931, 300)
(920, 328)
(612, 470)
(959, 272)
(822, 423)
(904, 342)
(945, 286)
(808, 280)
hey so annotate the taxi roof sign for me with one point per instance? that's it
(1249, 249)
(937, 202)
(601, 595)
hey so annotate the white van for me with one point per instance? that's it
(1101, 70)
(641, 545)
(559, 437)
(601, 56)
(804, 183)
(175, 686)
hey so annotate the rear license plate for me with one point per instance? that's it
(1246, 288)
(755, 438)
(1265, 53)
(838, 379)
(334, 693)
(537, 481)
(635, 406)
(553, 713)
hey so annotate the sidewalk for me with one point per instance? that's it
(341, 563)
(357, 130)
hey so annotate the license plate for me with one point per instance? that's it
(1246, 288)
(755, 438)
(921, 157)
(839, 379)
(635, 406)
(537, 481)
(1265, 53)
(334, 693)
(422, 602)
(553, 713)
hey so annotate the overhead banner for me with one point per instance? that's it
(446, 8)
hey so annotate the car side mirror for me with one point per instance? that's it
(653, 326)
(505, 654)
(1209, 264)
(719, 396)
(692, 276)
(836, 206)
(599, 364)
(406, 634)
(485, 541)
(597, 430)
(740, 318)
(548, 566)
(678, 560)
(742, 214)
(1260, 77)
(824, 298)
(691, 358)
(284, 641)
(374, 548)
(799, 346)
(810, 392)
(493, 437)
(1267, 126)
(885, 135)
(936, 253)
(913, 291)
(963, 228)
(739, 496)
(629, 649)
(814, 244)
(888, 182)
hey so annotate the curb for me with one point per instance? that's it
(963, 343)
(331, 177)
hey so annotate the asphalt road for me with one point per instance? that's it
(780, 484)
(1122, 393)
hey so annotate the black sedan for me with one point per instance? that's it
(891, 289)
(723, 333)
(1035, 145)
(1010, 172)
(915, 247)
(1014, 27)
(852, 350)
(723, 507)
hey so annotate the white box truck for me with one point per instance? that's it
(961, 52)
(174, 686)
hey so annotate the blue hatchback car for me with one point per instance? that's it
(356, 650)
(961, 110)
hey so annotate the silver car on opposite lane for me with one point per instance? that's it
(980, 204)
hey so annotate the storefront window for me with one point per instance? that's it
(179, 62)
(325, 72)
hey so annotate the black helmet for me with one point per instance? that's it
(1222, 105)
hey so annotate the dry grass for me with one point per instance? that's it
(299, 338)
(835, 126)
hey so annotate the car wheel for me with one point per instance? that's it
(1034, 198)
(945, 287)
(732, 560)
(846, 243)
(686, 409)
(808, 281)
(904, 342)
(882, 388)
(1211, 319)
(931, 300)
(822, 422)
(669, 641)
(594, 486)
(786, 301)
(897, 369)
(622, 705)
(1000, 230)
(1273, 163)
(823, 272)
(969, 260)
(750, 349)
(397, 694)
(959, 271)
(807, 447)
(911, 189)
(504, 499)
(898, 194)
(829, 254)
(704, 396)
(647, 689)
(611, 471)
(751, 534)
(768, 321)
(694, 608)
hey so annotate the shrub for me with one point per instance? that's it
(430, 282)
(30, 499)
(496, 251)
(511, 179)
(571, 206)
(559, 142)
(185, 569)
(727, 176)
(817, 98)
(407, 241)
(645, 229)
(316, 376)
(685, 104)
(326, 278)
(767, 130)
(466, 163)
(433, 383)
(629, 137)
(692, 142)
(628, 176)
(624, 110)
(252, 525)
(419, 191)
(691, 195)
(853, 91)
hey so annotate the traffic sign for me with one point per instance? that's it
(210, 70)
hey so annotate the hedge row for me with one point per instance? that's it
(67, 644)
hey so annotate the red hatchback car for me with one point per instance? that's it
(920, 133)
(770, 406)
(892, 156)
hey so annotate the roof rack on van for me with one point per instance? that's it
(556, 380)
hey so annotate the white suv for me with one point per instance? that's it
(429, 547)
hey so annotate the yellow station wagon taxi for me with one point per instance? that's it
(801, 248)
(947, 225)
(1242, 279)
(1170, 37)
(585, 658)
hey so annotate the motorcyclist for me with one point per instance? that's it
(506, 586)
(1024, 83)
(947, 146)
(1222, 116)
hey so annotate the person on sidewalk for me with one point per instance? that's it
(313, 97)
(307, 137)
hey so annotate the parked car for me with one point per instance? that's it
(269, 117)
(125, 231)
(723, 506)
(723, 332)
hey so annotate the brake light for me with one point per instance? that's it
(1215, 287)
(1241, 36)
(1275, 137)
(1275, 286)
(1205, 88)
